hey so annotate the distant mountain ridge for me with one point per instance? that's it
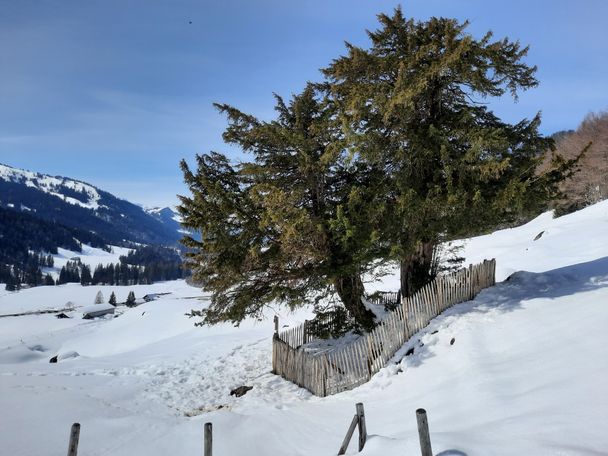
(167, 216)
(82, 206)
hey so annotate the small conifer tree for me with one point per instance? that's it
(112, 299)
(99, 297)
(131, 299)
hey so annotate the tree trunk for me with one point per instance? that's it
(350, 290)
(417, 269)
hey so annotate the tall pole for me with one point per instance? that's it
(423, 433)
(208, 439)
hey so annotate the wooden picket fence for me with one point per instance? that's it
(351, 365)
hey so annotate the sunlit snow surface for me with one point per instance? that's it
(526, 374)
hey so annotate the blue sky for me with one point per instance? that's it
(116, 92)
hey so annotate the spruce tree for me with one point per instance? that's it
(98, 275)
(99, 298)
(130, 299)
(110, 280)
(62, 277)
(112, 299)
(12, 284)
(85, 275)
(412, 104)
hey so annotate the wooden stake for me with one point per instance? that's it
(276, 325)
(208, 439)
(74, 437)
(362, 428)
(423, 433)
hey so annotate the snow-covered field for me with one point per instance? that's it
(526, 374)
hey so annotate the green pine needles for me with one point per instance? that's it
(392, 154)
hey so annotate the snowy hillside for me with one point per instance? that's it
(90, 256)
(88, 196)
(78, 205)
(524, 376)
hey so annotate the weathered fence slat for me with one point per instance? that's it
(362, 427)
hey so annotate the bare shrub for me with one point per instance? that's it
(590, 184)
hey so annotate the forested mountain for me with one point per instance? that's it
(40, 213)
(79, 205)
(23, 237)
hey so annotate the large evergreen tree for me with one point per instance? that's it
(394, 153)
(294, 224)
(412, 104)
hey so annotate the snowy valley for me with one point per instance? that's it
(524, 376)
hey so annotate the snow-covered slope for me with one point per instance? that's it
(90, 256)
(524, 376)
(563, 241)
(56, 186)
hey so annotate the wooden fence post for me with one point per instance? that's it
(362, 428)
(208, 439)
(423, 433)
(74, 437)
(276, 325)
